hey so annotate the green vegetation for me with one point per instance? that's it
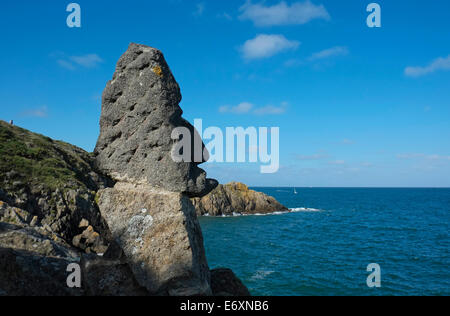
(33, 159)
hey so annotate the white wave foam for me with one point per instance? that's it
(261, 274)
(304, 209)
(292, 210)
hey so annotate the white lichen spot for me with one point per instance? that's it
(138, 225)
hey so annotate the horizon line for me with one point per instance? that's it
(346, 187)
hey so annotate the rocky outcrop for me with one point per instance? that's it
(148, 211)
(140, 110)
(49, 184)
(225, 283)
(34, 262)
(124, 213)
(109, 277)
(161, 237)
(236, 198)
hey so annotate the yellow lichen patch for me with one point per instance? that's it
(157, 70)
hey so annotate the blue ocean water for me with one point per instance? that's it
(326, 248)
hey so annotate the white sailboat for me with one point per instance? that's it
(295, 191)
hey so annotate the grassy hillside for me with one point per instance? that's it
(35, 159)
(49, 179)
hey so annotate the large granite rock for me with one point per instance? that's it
(160, 235)
(236, 198)
(140, 109)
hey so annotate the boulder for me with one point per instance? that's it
(225, 283)
(109, 277)
(236, 198)
(34, 263)
(140, 110)
(160, 236)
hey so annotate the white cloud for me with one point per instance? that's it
(264, 46)
(282, 13)
(246, 108)
(337, 162)
(40, 112)
(436, 65)
(347, 141)
(271, 109)
(200, 9)
(318, 57)
(225, 16)
(312, 157)
(85, 61)
(241, 108)
(65, 64)
(294, 62)
(423, 156)
(330, 52)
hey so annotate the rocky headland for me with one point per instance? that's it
(236, 199)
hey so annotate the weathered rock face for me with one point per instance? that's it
(160, 236)
(225, 283)
(58, 208)
(109, 277)
(140, 109)
(50, 184)
(237, 198)
(34, 262)
(148, 211)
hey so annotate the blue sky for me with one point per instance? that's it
(356, 106)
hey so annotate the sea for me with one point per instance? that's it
(330, 239)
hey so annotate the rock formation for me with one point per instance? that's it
(123, 214)
(225, 283)
(236, 198)
(160, 235)
(148, 211)
(140, 109)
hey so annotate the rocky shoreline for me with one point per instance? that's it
(126, 215)
(236, 199)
